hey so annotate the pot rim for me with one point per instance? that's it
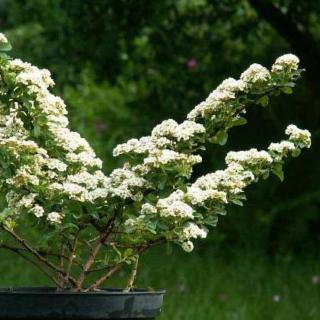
(54, 291)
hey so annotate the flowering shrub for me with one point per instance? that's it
(86, 221)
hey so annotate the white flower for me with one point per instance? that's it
(200, 110)
(130, 222)
(232, 86)
(219, 184)
(302, 138)
(227, 91)
(255, 73)
(251, 156)
(54, 217)
(99, 193)
(288, 62)
(143, 145)
(175, 207)
(278, 150)
(84, 178)
(23, 177)
(125, 184)
(166, 156)
(188, 129)
(197, 195)
(147, 208)
(76, 192)
(192, 230)
(50, 104)
(36, 79)
(17, 65)
(84, 158)
(166, 128)
(184, 131)
(27, 201)
(37, 211)
(70, 140)
(3, 38)
(57, 165)
(187, 246)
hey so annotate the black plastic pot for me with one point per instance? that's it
(50, 304)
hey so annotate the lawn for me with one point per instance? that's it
(208, 285)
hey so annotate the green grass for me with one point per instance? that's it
(208, 285)
(239, 287)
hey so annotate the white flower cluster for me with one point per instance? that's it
(147, 209)
(217, 100)
(213, 191)
(191, 231)
(3, 38)
(298, 139)
(38, 211)
(166, 134)
(27, 202)
(73, 172)
(173, 145)
(125, 184)
(301, 138)
(231, 87)
(138, 146)
(48, 114)
(158, 149)
(175, 207)
(165, 156)
(218, 186)
(281, 149)
(288, 62)
(54, 217)
(49, 169)
(172, 130)
(250, 157)
(86, 187)
(256, 73)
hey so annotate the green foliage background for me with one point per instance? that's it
(125, 65)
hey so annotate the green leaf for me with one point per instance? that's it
(36, 131)
(4, 56)
(238, 122)
(211, 221)
(277, 170)
(263, 101)
(71, 225)
(220, 138)
(5, 46)
(287, 90)
(290, 84)
(238, 202)
(296, 152)
(222, 211)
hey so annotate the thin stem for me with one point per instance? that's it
(133, 275)
(90, 260)
(38, 265)
(72, 255)
(61, 276)
(42, 252)
(100, 269)
(96, 248)
(96, 284)
(36, 254)
(106, 276)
